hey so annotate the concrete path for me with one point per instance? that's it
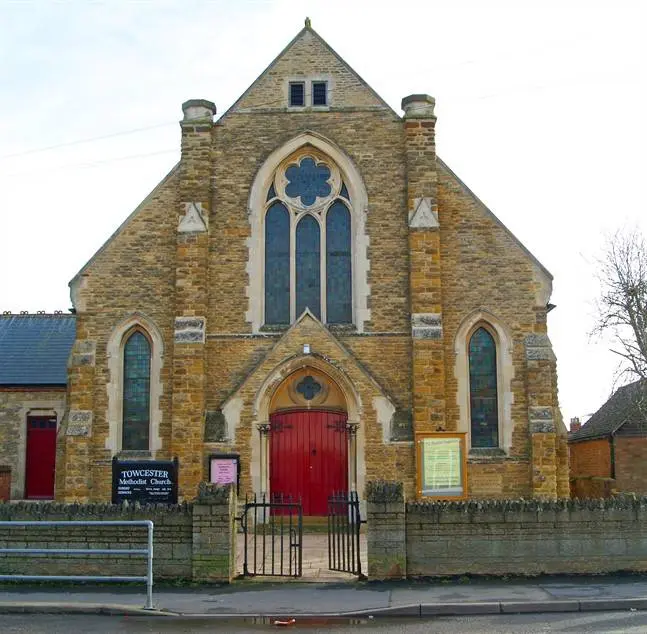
(288, 598)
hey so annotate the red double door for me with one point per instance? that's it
(308, 457)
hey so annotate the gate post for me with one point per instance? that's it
(386, 530)
(214, 546)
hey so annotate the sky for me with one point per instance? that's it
(541, 111)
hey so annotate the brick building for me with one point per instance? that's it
(609, 452)
(307, 288)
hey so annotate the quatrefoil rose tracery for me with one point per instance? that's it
(308, 182)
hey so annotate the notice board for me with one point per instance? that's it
(441, 465)
(224, 468)
(144, 481)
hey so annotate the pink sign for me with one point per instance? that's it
(224, 470)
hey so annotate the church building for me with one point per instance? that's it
(312, 289)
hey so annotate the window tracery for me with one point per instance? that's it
(308, 242)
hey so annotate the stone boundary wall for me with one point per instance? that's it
(190, 540)
(526, 537)
(502, 537)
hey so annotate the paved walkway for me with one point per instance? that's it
(314, 557)
(352, 598)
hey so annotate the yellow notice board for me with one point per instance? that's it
(441, 465)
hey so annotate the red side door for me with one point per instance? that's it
(41, 457)
(308, 457)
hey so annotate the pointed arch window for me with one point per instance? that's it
(308, 262)
(338, 264)
(277, 264)
(308, 242)
(136, 392)
(484, 408)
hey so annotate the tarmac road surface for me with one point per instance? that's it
(629, 622)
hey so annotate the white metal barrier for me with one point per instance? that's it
(148, 551)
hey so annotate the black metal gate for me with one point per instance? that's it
(273, 533)
(344, 523)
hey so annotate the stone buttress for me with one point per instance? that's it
(428, 370)
(191, 294)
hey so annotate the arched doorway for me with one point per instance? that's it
(308, 440)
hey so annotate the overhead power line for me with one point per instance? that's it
(88, 140)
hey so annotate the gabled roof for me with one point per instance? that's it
(626, 404)
(72, 283)
(442, 165)
(34, 349)
(292, 62)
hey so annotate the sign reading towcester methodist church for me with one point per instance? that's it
(144, 481)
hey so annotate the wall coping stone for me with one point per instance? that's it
(77, 510)
(384, 491)
(210, 493)
(618, 502)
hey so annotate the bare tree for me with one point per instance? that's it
(622, 305)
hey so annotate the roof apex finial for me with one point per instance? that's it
(308, 23)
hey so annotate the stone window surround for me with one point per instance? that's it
(259, 466)
(303, 144)
(505, 374)
(318, 211)
(115, 356)
(307, 80)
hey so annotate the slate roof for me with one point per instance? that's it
(34, 348)
(621, 408)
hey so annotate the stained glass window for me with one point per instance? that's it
(277, 265)
(483, 390)
(338, 265)
(136, 395)
(307, 180)
(308, 387)
(308, 282)
(296, 259)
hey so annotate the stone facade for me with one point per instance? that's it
(15, 406)
(430, 262)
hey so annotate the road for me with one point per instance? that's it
(570, 623)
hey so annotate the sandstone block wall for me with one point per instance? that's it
(386, 538)
(526, 537)
(190, 541)
(171, 539)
